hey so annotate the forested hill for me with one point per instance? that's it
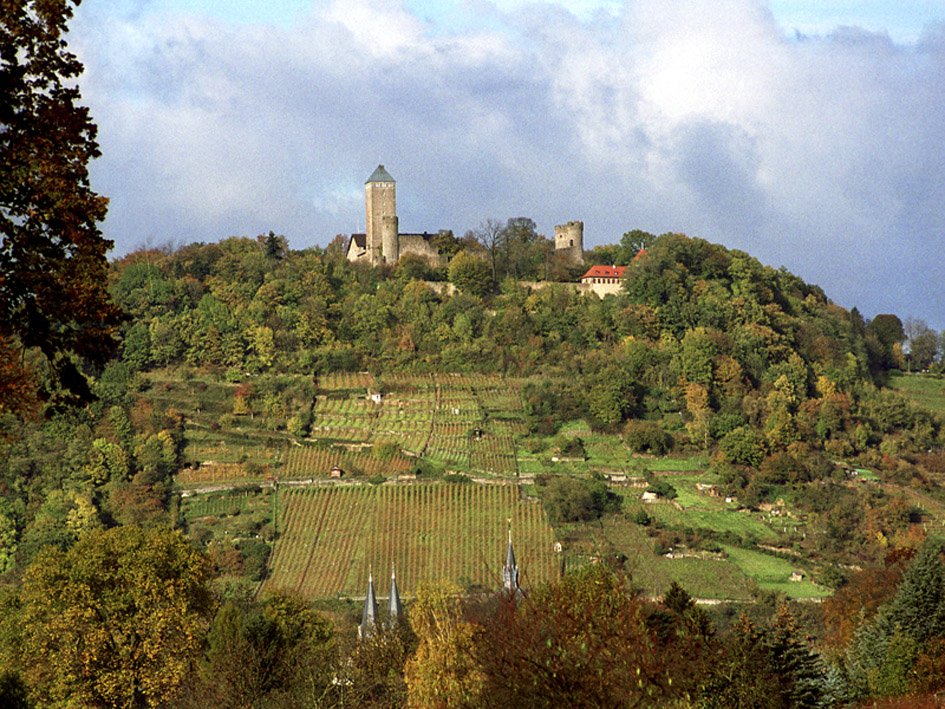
(741, 398)
(705, 338)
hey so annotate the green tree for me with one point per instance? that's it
(116, 620)
(470, 274)
(274, 653)
(631, 243)
(889, 333)
(568, 499)
(52, 256)
(923, 343)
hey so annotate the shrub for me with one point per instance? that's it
(456, 478)
(664, 489)
(576, 500)
(743, 446)
(647, 437)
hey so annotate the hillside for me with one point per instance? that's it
(282, 365)
(285, 423)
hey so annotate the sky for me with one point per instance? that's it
(809, 133)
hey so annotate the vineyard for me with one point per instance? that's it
(459, 421)
(329, 537)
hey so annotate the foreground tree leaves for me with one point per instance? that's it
(52, 255)
(115, 621)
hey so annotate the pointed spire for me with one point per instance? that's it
(380, 175)
(510, 571)
(369, 615)
(395, 608)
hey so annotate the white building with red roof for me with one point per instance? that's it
(603, 280)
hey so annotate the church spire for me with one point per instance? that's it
(510, 571)
(395, 608)
(369, 615)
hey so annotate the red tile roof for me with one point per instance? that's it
(605, 272)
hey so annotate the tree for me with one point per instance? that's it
(116, 620)
(632, 243)
(889, 333)
(522, 250)
(582, 641)
(470, 274)
(489, 234)
(765, 667)
(923, 344)
(52, 256)
(273, 653)
(443, 671)
(568, 499)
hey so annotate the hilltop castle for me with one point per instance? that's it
(382, 241)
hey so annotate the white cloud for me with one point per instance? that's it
(702, 116)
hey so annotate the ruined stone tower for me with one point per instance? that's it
(569, 241)
(380, 200)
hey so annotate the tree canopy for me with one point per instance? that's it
(52, 255)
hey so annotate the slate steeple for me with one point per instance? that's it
(369, 615)
(395, 609)
(510, 570)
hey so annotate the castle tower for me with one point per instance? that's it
(569, 241)
(395, 609)
(369, 614)
(390, 238)
(380, 202)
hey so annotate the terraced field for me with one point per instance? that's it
(331, 536)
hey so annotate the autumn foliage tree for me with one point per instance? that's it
(52, 254)
(115, 621)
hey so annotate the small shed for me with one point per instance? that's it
(336, 472)
(649, 496)
(796, 577)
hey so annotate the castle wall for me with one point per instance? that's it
(420, 245)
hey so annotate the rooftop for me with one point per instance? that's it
(380, 175)
(605, 272)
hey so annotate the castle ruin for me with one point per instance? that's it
(382, 241)
(569, 241)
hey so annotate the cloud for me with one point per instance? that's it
(822, 154)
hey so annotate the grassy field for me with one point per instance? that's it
(773, 573)
(926, 390)
(706, 577)
(331, 536)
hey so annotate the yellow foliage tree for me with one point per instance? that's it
(443, 672)
(115, 621)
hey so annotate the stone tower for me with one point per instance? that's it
(380, 201)
(569, 241)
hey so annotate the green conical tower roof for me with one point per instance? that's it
(380, 175)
